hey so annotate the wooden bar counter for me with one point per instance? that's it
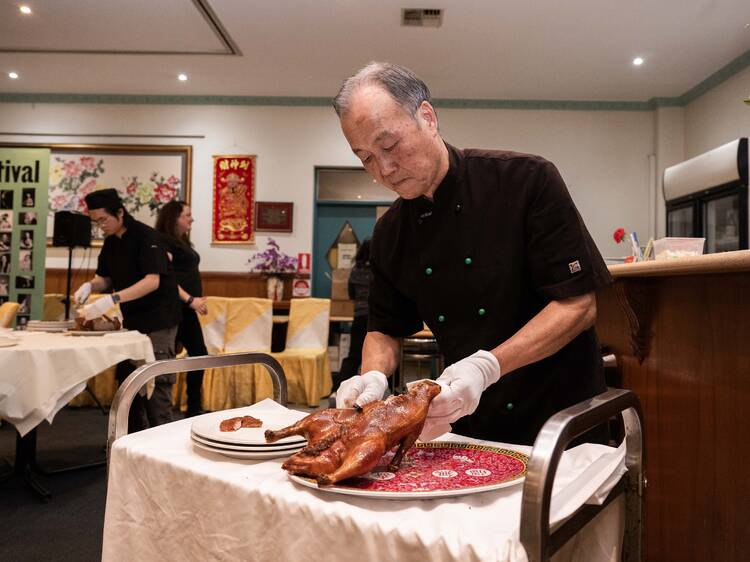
(680, 331)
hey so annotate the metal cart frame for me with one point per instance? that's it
(559, 430)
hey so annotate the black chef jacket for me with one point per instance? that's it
(500, 240)
(129, 259)
(185, 261)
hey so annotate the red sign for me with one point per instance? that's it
(303, 263)
(234, 196)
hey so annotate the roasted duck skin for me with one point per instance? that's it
(346, 443)
(233, 424)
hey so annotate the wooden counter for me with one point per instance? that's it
(680, 331)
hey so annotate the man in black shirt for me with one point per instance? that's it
(488, 249)
(134, 265)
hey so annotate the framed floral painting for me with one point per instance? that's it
(147, 177)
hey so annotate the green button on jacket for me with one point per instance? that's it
(441, 318)
(467, 261)
(509, 406)
(428, 271)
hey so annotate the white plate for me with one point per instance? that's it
(246, 455)
(207, 427)
(7, 343)
(257, 448)
(94, 332)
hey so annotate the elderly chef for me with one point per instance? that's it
(134, 264)
(488, 249)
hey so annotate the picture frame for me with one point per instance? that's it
(141, 172)
(274, 216)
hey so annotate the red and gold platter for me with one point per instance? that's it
(435, 470)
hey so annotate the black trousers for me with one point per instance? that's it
(350, 365)
(145, 413)
(189, 334)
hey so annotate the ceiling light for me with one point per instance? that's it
(13, 75)
(182, 77)
(24, 9)
(637, 61)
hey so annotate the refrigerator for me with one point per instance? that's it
(706, 197)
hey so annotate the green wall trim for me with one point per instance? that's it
(724, 73)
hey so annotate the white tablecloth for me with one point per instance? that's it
(45, 371)
(167, 500)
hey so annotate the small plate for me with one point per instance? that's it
(258, 448)
(246, 455)
(94, 332)
(207, 427)
(4, 342)
(437, 469)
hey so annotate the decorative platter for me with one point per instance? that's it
(435, 470)
(94, 332)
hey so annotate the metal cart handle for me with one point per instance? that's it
(554, 436)
(118, 414)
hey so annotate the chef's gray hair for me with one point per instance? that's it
(402, 84)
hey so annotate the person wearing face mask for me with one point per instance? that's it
(134, 265)
(487, 248)
(174, 223)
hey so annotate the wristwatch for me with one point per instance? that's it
(115, 298)
(190, 300)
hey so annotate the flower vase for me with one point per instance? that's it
(275, 288)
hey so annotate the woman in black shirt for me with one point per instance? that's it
(174, 222)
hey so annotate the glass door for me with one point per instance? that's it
(721, 223)
(681, 221)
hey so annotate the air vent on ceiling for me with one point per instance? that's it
(418, 17)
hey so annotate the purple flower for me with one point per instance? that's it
(272, 260)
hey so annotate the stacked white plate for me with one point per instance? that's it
(50, 325)
(7, 340)
(246, 442)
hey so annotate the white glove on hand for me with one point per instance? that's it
(361, 390)
(83, 292)
(98, 307)
(462, 385)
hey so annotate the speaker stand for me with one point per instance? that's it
(69, 281)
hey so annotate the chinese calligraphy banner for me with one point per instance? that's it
(234, 197)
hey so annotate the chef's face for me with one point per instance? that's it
(400, 151)
(110, 224)
(184, 221)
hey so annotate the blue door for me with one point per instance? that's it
(329, 218)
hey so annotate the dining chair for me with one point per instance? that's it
(305, 355)
(8, 312)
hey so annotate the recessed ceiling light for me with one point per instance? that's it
(24, 9)
(13, 75)
(637, 61)
(182, 77)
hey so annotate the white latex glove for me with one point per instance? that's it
(461, 385)
(98, 307)
(361, 389)
(83, 292)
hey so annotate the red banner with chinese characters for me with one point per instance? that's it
(234, 200)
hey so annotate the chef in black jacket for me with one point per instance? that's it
(133, 263)
(489, 250)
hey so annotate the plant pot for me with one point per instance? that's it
(275, 288)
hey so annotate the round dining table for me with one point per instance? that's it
(41, 372)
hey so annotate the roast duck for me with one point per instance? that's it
(103, 323)
(344, 443)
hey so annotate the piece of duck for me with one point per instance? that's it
(344, 443)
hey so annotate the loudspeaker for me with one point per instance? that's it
(71, 230)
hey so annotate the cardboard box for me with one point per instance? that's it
(340, 284)
(342, 308)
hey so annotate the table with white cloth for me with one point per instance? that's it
(229, 509)
(44, 371)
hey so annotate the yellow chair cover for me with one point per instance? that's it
(8, 312)
(54, 307)
(305, 357)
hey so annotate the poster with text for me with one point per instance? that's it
(233, 200)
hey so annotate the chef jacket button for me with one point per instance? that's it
(441, 318)
(428, 271)
(481, 312)
(509, 406)
(468, 261)
(458, 208)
